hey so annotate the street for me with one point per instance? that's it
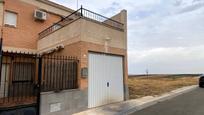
(191, 103)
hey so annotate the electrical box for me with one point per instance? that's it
(84, 72)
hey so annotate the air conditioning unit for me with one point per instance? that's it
(40, 15)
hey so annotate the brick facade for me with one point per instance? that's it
(25, 35)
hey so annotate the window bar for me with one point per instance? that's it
(50, 72)
(35, 79)
(19, 73)
(48, 79)
(67, 73)
(72, 66)
(5, 80)
(22, 71)
(12, 79)
(76, 71)
(54, 74)
(63, 72)
(44, 74)
(74, 74)
(60, 73)
(59, 70)
(9, 77)
(32, 77)
(1, 82)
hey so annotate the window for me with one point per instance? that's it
(10, 18)
(23, 72)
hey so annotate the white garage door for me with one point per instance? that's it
(105, 79)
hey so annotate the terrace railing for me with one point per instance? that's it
(82, 13)
(101, 19)
(60, 24)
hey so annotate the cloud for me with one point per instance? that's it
(170, 31)
(191, 6)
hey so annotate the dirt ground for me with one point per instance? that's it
(140, 86)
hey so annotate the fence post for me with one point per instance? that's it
(81, 11)
(39, 83)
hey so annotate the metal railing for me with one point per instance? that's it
(101, 19)
(82, 13)
(60, 24)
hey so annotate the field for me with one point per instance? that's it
(152, 85)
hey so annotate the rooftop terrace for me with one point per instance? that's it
(82, 13)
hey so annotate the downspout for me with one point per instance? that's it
(1, 17)
(1, 34)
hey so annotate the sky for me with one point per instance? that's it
(164, 36)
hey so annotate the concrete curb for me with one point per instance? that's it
(131, 106)
(154, 100)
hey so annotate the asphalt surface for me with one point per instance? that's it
(191, 103)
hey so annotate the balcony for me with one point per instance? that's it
(85, 14)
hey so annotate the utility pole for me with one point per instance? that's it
(147, 73)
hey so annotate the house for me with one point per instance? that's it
(60, 61)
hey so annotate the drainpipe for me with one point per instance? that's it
(1, 17)
(1, 32)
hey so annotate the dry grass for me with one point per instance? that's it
(143, 86)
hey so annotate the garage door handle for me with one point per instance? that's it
(107, 84)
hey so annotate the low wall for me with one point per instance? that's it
(63, 103)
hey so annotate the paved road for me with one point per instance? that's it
(191, 103)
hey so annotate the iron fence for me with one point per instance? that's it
(18, 83)
(82, 13)
(24, 76)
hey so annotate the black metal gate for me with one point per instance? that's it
(19, 86)
(24, 76)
